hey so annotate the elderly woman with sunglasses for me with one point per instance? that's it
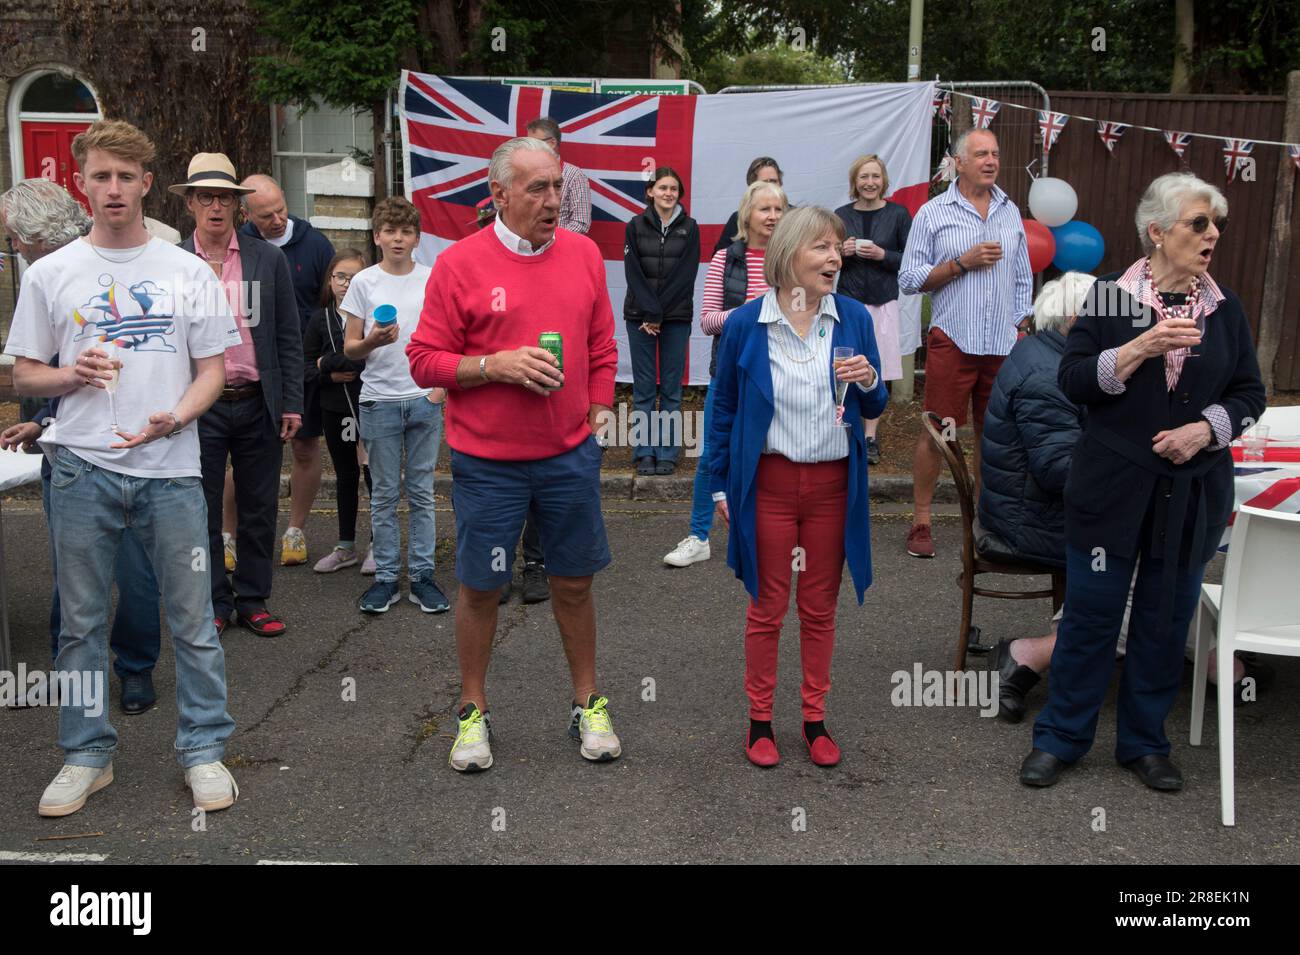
(1162, 358)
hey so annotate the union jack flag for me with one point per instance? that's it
(1294, 152)
(1236, 153)
(1110, 134)
(1178, 142)
(1049, 126)
(942, 105)
(453, 126)
(982, 111)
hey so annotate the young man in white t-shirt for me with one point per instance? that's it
(394, 410)
(139, 328)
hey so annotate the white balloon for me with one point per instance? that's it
(1052, 202)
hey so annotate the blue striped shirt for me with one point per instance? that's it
(979, 310)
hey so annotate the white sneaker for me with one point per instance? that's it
(472, 750)
(592, 726)
(72, 787)
(212, 785)
(690, 551)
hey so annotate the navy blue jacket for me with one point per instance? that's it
(741, 413)
(1030, 431)
(309, 254)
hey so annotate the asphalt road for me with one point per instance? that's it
(326, 780)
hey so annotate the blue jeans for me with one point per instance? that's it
(136, 637)
(1084, 658)
(701, 498)
(387, 426)
(669, 347)
(90, 510)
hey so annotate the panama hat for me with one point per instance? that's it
(210, 171)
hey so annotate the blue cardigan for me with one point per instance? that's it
(741, 413)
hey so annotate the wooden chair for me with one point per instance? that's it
(972, 564)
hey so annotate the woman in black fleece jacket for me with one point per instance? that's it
(661, 255)
(340, 390)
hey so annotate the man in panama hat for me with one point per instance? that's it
(261, 405)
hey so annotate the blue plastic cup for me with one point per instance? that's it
(385, 315)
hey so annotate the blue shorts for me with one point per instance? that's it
(492, 500)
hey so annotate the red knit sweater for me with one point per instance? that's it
(481, 299)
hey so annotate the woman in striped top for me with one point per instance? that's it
(735, 276)
(787, 477)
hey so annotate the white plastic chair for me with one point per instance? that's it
(1256, 609)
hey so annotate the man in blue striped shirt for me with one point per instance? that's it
(967, 248)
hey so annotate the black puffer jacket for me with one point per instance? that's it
(1030, 432)
(661, 267)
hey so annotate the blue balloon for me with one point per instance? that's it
(1079, 247)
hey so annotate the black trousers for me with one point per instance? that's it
(243, 430)
(341, 437)
(532, 542)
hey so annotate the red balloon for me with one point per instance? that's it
(1042, 245)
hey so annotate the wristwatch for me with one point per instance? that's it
(957, 262)
(482, 368)
(179, 427)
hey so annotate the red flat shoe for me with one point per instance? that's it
(762, 753)
(263, 624)
(823, 751)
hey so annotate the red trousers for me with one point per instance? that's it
(799, 526)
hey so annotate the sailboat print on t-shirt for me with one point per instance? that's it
(138, 316)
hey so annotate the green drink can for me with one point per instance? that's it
(553, 342)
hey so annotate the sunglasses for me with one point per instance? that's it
(1202, 222)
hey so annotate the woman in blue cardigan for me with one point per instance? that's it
(795, 480)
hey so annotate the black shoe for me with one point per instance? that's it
(645, 466)
(1158, 772)
(1014, 682)
(873, 451)
(137, 693)
(537, 588)
(664, 468)
(1041, 768)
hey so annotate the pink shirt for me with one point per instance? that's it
(241, 360)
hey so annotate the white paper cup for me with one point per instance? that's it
(862, 246)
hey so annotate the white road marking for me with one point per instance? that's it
(51, 856)
(298, 862)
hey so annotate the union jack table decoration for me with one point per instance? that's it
(1236, 153)
(1110, 134)
(1050, 125)
(1178, 142)
(982, 111)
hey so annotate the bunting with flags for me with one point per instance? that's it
(942, 105)
(1177, 142)
(982, 111)
(1236, 155)
(1050, 125)
(1110, 133)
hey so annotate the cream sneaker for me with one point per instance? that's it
(592, 726)
(472, 751)
(212, 785)
(690, 551)
(72, 787)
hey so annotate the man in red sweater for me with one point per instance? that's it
(521, 428)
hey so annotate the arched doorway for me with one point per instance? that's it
(47, 109)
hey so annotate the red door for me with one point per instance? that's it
(47, 153)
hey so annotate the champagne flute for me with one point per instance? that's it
(839, 356)
(111, 384)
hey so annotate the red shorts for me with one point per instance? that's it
(954, 379)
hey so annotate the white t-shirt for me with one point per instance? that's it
(387, 375)
(162, 306)
(283, 240)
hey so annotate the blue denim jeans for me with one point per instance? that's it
(136, 637)
(1084, 657)
(662, 356)
(387, 427)
(90, 509)
(701, 498)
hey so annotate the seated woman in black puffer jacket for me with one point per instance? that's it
(1030, 431)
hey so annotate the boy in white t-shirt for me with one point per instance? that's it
(139, 328)
(382, 308)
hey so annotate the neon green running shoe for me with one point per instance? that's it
(471, 753)
(593, 728)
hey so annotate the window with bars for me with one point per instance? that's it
(304, 141)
